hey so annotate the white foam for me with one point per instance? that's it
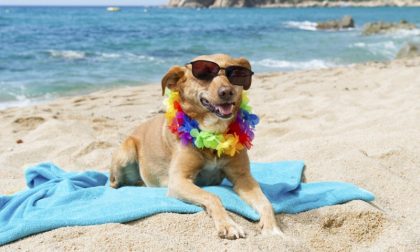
(67, 54)
(78, 55)
(126, 55)
(302, 25)
(404, 33)
(110, 55)
(294, 65)
(21, 101)
(16, 96)
(359, 45)
(140, 57)
(383, 48)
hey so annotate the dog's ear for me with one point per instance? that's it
(244, 62)
(172, 77)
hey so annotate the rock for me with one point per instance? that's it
(234, 3)
(383, 27)
(212, 3)
(220, 3)
(344, 23)
(347, 22)
(410, 50)
(191, 3)
(287, 3)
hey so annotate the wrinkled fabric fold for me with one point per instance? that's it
(55, 198)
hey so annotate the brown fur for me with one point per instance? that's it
(153, 156)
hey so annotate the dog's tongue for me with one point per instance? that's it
(225, 109)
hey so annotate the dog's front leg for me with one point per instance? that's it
(183, 169)
(238, 172)
(249, 190)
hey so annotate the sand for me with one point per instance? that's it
(359, 124)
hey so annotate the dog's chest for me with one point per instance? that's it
(211, 173)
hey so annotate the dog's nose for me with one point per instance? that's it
(225, 93)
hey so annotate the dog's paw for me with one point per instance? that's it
(114, 183)
(272, 231)
(230, 230)
(270, 228)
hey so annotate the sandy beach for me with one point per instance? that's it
(358, 124)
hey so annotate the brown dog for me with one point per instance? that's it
(153, 156)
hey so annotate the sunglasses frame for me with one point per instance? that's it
(246, 87)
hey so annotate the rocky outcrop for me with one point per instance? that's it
(288, 3)
(410, 50)
(383, 27)
(212, 3)
(345, 22)
(191, 3)
(234, 3)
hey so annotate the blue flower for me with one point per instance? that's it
(251, 119)
(189, 124)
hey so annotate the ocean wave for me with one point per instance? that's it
(311, 26)
(302, 25)
(14, 100)
(387, 49)
(294, 65)
(15, 94)
(67, 54)
(101, 56)
(125, 55)
(109, 55)
(401, 34)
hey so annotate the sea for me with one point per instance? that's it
(48, 52)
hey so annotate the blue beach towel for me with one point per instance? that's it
(56, 198)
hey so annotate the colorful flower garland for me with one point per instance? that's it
(239, 134)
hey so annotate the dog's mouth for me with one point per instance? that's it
(224, 110)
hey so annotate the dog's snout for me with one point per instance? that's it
(225, 93)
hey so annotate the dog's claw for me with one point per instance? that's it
(230, 230)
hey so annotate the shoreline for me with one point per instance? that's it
(356, 124)
(40, 70)
(39, 101)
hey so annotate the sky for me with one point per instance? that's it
(84, 2)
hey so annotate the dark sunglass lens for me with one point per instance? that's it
(240, 76)
(205, 70)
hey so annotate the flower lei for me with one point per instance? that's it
(239, 134)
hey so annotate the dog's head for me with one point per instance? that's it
(213, 102)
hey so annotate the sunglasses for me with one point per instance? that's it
(207, 70)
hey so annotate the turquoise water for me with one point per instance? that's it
(49, 52)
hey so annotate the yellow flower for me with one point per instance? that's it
(229, 146)
(245, 101)
(169, 102)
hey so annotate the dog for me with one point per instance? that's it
(153, 156)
